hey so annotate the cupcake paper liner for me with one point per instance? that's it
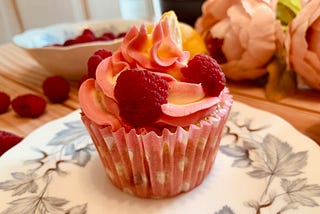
(153, 166)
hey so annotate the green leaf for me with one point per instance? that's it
(287, 10)
(281, 80)
(293, 5)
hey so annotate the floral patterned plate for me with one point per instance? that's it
(263, 166)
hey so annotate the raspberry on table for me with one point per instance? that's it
(56, 89)
(140, 94)
(8, 140)
(205, 70)
(94, 61)
(29, 105)
(4, 102)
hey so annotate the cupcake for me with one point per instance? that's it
(154, 114)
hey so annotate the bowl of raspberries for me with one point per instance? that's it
(63, 49)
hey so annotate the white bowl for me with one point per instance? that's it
(70, 61)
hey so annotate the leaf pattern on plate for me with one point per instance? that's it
(275, 158)
(240, 153)
(260, 155)
(298, 191)
(268, 158)
(71, 138)
(21, 183)
(81, 157)
(80, 209)
(39, 203)
(225, 210)
(71, 145)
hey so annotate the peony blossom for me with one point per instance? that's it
(302, 43)
(241, 34)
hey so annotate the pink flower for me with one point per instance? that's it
(303, 45)
(240, 34)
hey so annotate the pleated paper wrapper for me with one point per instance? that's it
(159, 166)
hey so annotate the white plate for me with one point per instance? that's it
(57, 169)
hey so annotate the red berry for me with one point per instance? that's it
(86, 36)
(29, 105)
(108, 36)
(94, 61)
(103, 53)
(82, 79)
(4, 102)
(56, 89)
(69, 42)
(140, 94)
(120, 35)
(88, 32)
(8, 140)
(205, 70)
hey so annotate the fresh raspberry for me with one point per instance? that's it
(56, 89)
(88, 32)
(122, 34)
(140, 94)
(4, 102)
(94, 61)
(108, 36)
(8, 140)
(29, 105)
(205, 70)
(69, 42)
(82, 79)
(86, 36)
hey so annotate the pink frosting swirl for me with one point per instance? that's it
(157, 52)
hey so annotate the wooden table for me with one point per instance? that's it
(20, 74)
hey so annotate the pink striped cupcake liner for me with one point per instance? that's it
(159, 166)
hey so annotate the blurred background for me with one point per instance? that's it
(17, 16)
